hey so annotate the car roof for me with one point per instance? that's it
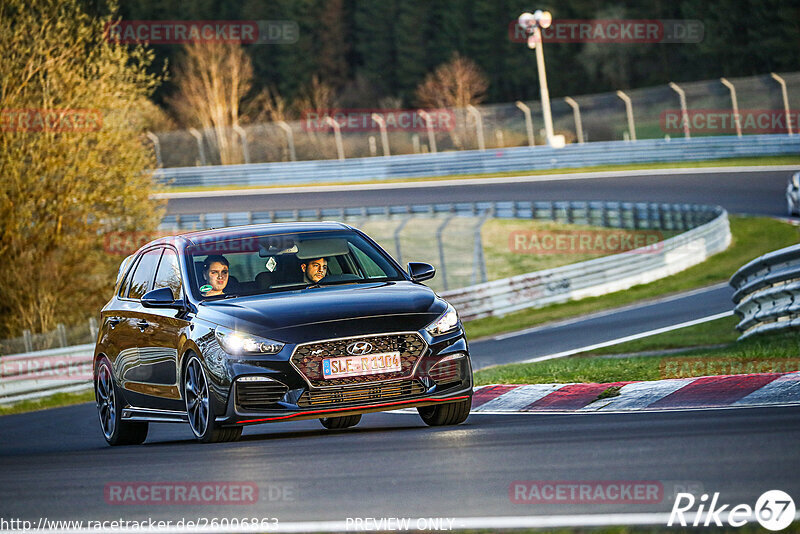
(255, 230)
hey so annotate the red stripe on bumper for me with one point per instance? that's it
(485, 394)
(714, 391)
(571, 397)
(351, 409)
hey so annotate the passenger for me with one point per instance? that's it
(215, 273)
(314, 270)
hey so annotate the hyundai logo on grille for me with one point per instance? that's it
(359, 348)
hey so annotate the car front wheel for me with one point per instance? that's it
(200, 409)
(109, 408)
(451, 413)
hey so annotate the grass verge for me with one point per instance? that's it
(778, 353)
(53, 401)
(725, 162)
(752, 237)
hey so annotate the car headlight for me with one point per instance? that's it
(445, 323)
(234, 342)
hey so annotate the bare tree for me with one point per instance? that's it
(212, 79)
(455, 84)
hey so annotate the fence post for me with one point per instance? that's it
(200, 150)
(528, 122)
(429, 125)
(629, 112)
(785, 96)
(684, 111)
(439, 232)
(243, 137)
(289, 139)
(397, 238)
(576, 112)
(156, 147)
(62, 334)
(479, 260)
(476, 115)
(28, 340)
(736, 117)
(93, 328)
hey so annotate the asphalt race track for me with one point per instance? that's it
(55, 463)
(753, 192)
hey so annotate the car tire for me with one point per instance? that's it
(336, 423)
(200, 408)
(451, 413)
(109, 409)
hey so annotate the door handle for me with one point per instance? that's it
(142, 324)
(113, 321)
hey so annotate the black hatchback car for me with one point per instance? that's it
(277, 322)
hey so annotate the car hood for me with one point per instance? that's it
(329, 311)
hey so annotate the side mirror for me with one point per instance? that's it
(421, 271)
(161, 298)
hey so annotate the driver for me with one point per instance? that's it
(314, 270)
(215, 273)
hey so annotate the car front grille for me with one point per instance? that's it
(308, 357)
(259, 396)
(397, 390)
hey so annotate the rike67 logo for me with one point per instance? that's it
(774, 510)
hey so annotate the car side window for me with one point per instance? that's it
(143, 275)
(169, 273)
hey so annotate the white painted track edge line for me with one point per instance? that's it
(631, 337)
(605, 313)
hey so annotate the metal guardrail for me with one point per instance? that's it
(595, 277)
(41, 373)
(477, 161)
(767, 296)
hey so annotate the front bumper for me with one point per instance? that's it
(275, 391)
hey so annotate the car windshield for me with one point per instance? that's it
(252, 265)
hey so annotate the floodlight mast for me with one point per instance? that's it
(533, 24)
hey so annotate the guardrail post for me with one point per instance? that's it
(201, 152)
(439, 232)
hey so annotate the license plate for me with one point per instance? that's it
(373, 364)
